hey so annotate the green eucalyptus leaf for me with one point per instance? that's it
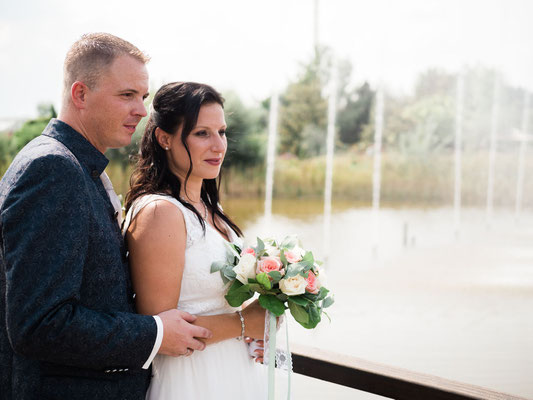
(322, 293)
(224, 279)
(328, 301)
(283, 259)
(275, 275)
(260, 246)
(272, 304)
(232, 254)
(217, 266)
(327, 315)
(308, 260)
(229, 273)
(289, 242)
(294, 269)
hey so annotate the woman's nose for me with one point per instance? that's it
(219, 144)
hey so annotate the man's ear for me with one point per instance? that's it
(163, 138)
(78, 94)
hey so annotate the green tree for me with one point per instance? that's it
(303, 112)
(354, 115)
(246, 132)
(32, 128)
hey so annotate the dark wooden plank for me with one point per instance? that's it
(383, 380)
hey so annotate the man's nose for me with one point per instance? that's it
(140, 109)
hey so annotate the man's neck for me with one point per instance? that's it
(75, 122)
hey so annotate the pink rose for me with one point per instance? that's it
(269, 264)
(312, 283)
(292, 257)
(248, 250)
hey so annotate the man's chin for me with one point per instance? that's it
(122, 143)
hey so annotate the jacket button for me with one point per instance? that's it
(95, 174)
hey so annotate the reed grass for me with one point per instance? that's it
(409, 181)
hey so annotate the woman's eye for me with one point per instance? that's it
(201, 133)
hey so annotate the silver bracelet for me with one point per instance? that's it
(242, 325)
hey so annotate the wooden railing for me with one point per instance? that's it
(391, 382)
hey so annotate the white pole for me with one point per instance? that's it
(271, 156)
(492, 149)
(376, 176)
(330, 148)
(522, 157)
(458, 150)
(315, 25)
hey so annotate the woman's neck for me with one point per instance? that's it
(192, 191)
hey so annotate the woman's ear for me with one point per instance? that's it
(163, 138)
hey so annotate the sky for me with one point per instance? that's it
(255, 48)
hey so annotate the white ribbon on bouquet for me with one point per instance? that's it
(282, 356)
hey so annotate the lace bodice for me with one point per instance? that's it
(202, 293)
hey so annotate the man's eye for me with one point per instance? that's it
(127, 95)
(222, 132)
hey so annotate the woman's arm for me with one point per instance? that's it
(156, 242)
(228, 326)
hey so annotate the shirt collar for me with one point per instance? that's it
(84, 151)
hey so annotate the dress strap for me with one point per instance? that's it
(192, 225)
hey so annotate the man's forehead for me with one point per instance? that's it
(127, 73)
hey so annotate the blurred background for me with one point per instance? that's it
(394, 137)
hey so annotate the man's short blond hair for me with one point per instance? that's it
(89, 57)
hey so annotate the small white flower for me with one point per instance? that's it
(245, 269)
(293, 286)
(272, 251)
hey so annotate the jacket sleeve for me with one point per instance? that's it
(45, 245)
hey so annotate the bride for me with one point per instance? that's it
(175, 228)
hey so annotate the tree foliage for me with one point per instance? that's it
(246, 132)
(32, 128)
(354, 116)
(302, 114)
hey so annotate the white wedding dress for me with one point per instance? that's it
(224, 370)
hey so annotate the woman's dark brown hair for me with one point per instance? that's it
(175, 104)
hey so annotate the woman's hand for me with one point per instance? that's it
(256, 348)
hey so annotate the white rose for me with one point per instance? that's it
(293, 286)
(322, 277)
(298, 250)
(245, 269)
(272, 251)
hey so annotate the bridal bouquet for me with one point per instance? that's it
(284, 274)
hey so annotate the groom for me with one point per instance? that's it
(68, 328)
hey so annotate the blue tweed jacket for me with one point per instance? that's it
(67, 324)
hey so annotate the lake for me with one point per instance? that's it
(456, 307)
